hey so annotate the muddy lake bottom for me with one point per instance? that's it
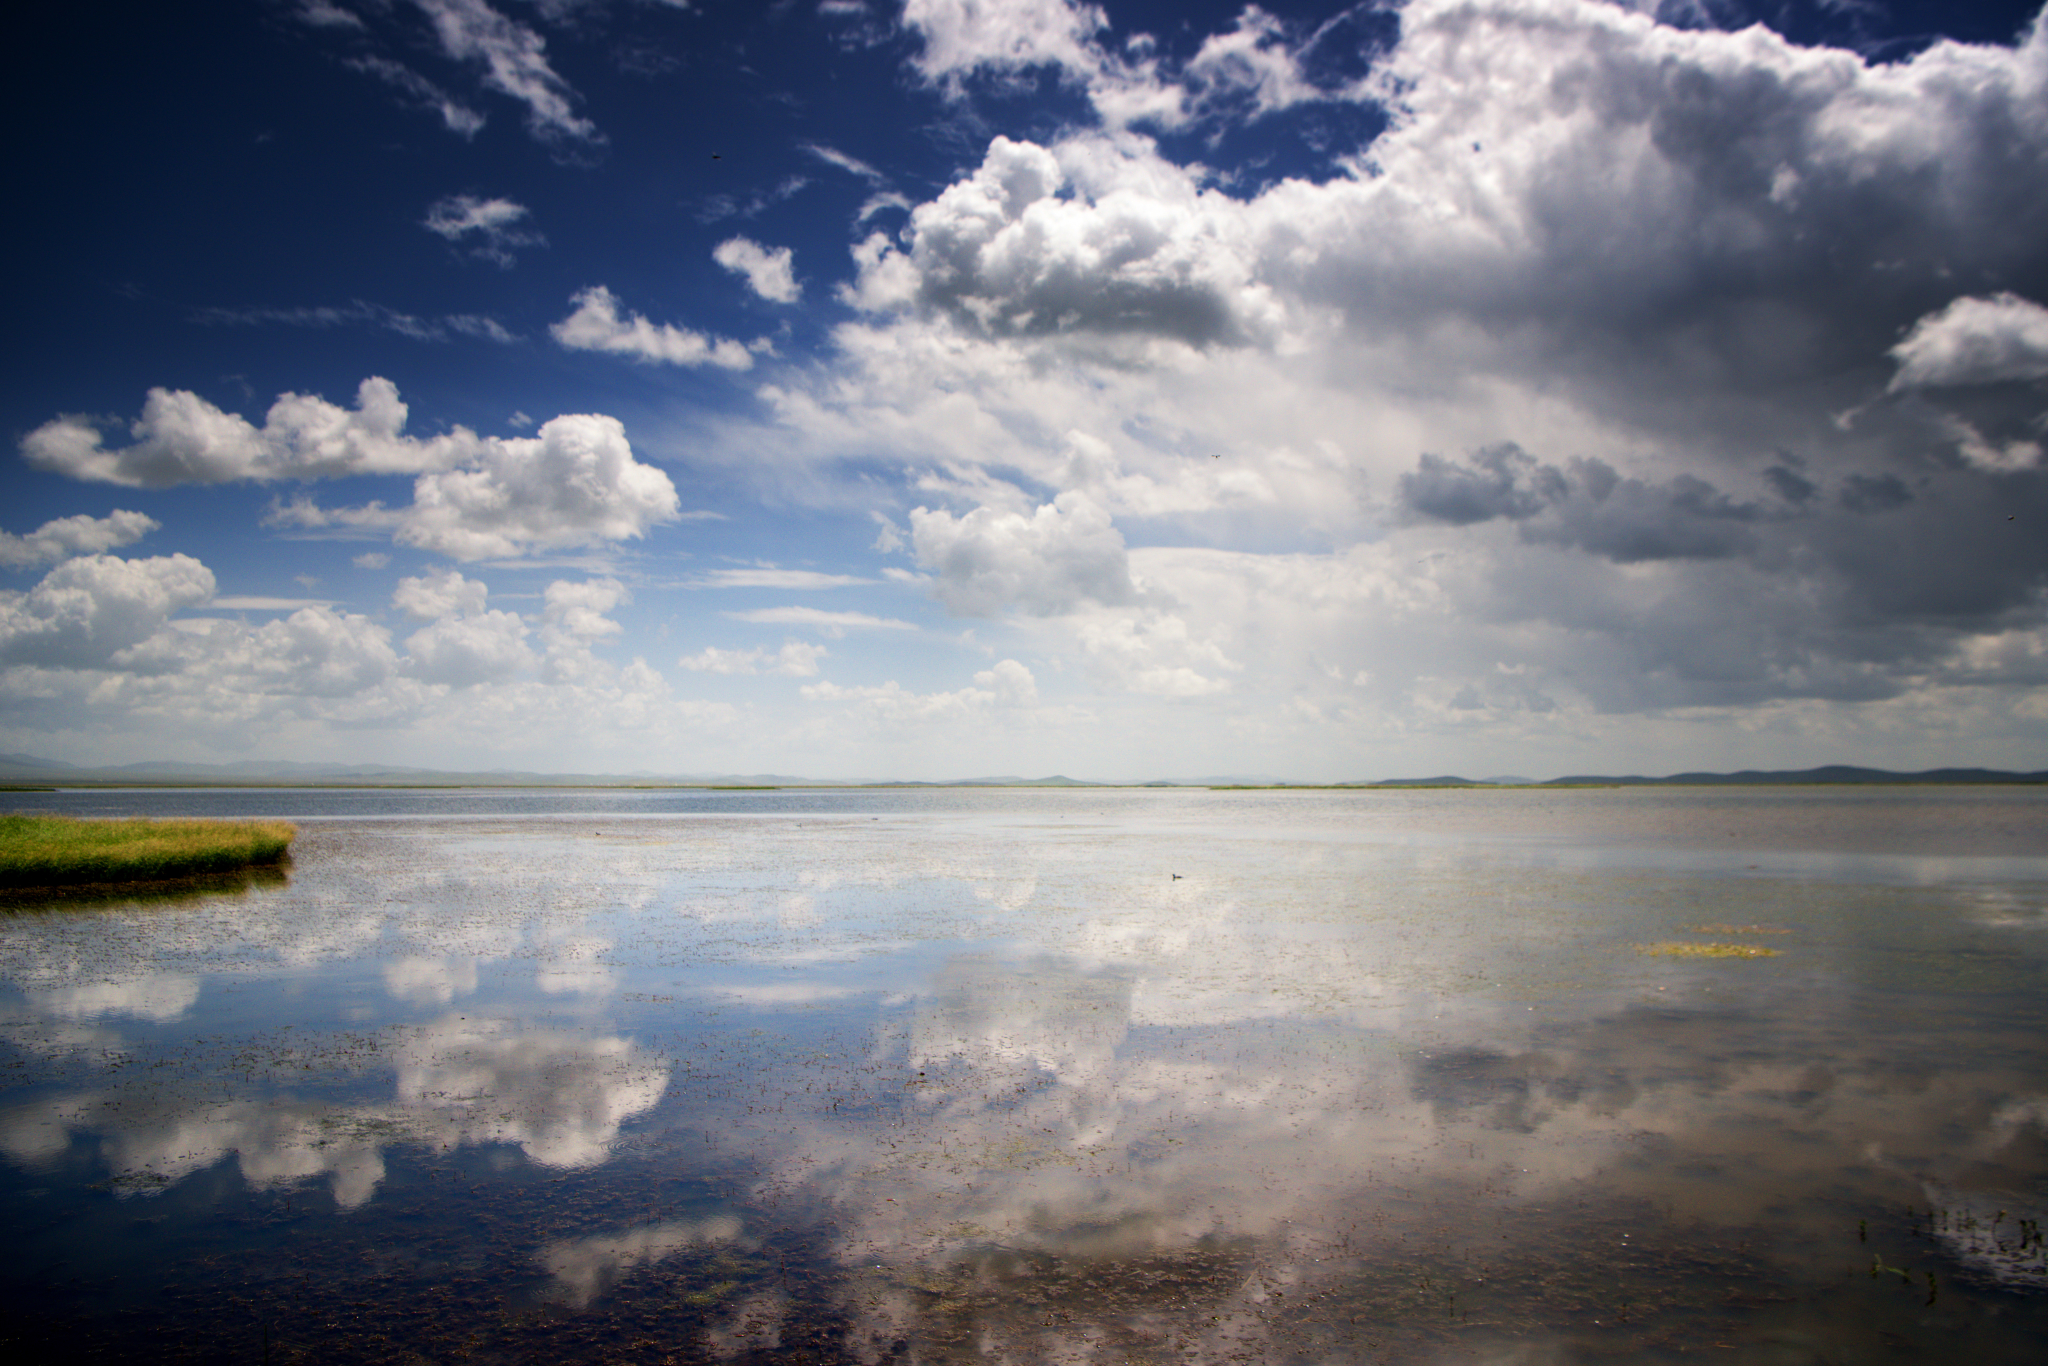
(1030, 1076)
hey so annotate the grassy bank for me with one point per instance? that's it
(54, 851)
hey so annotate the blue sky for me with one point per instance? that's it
(964, 386)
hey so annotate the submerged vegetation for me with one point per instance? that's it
(57, 851)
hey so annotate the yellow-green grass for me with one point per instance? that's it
(55, 851)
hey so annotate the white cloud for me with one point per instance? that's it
(832, 156)
(1975, 341)
(1009, 684)
(1255, 58)
(965, 36)
(574, 483)
(88, 610)
(464, 651)
(325, 14)
(577, 610)
(249, 602)
(375, 559)
(769, 274)
(573, 621)
(182, 439)
(1066, 553)
(491, 221)
(64, 537)
(439, 593)
(834, 624)
(1139, 247)
(514, 61)
(466, 643)
(597, 326)
(796, 659)
(766, 576)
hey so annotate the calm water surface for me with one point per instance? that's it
(1044, 1076)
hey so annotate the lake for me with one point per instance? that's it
(1073, 1076)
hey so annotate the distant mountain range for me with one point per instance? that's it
(19, 769)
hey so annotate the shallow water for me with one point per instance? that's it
(938, 1075)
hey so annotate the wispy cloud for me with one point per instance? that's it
(514, 61)
(485, 228)
(262, 604)
(359, 313)
(833, 624)
(832, 156)
(418, 90)
(774, 578)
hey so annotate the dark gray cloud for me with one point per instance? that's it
(1588, 506)
(1865, 587)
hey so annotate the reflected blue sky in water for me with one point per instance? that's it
(937, 1050)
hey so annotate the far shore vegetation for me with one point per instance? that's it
(61, 851)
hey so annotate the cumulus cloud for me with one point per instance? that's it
(182, 439)
(1975, 341)
(769, 274)
(64, 537)
(576, 611)
(1064, 554)
(486, 228)
(439, 593)
(961, 37)
(1007, 253)
(573, 621)
(88, 610)
(1011, 683)
(514, 62)
(574, 483)
(466, 643)
(597, 326)
(462, 652)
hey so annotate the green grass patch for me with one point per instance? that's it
(56, 851)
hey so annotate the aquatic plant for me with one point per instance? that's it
(1678, 949)
(49, 851)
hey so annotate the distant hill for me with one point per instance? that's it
(1828, 774)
